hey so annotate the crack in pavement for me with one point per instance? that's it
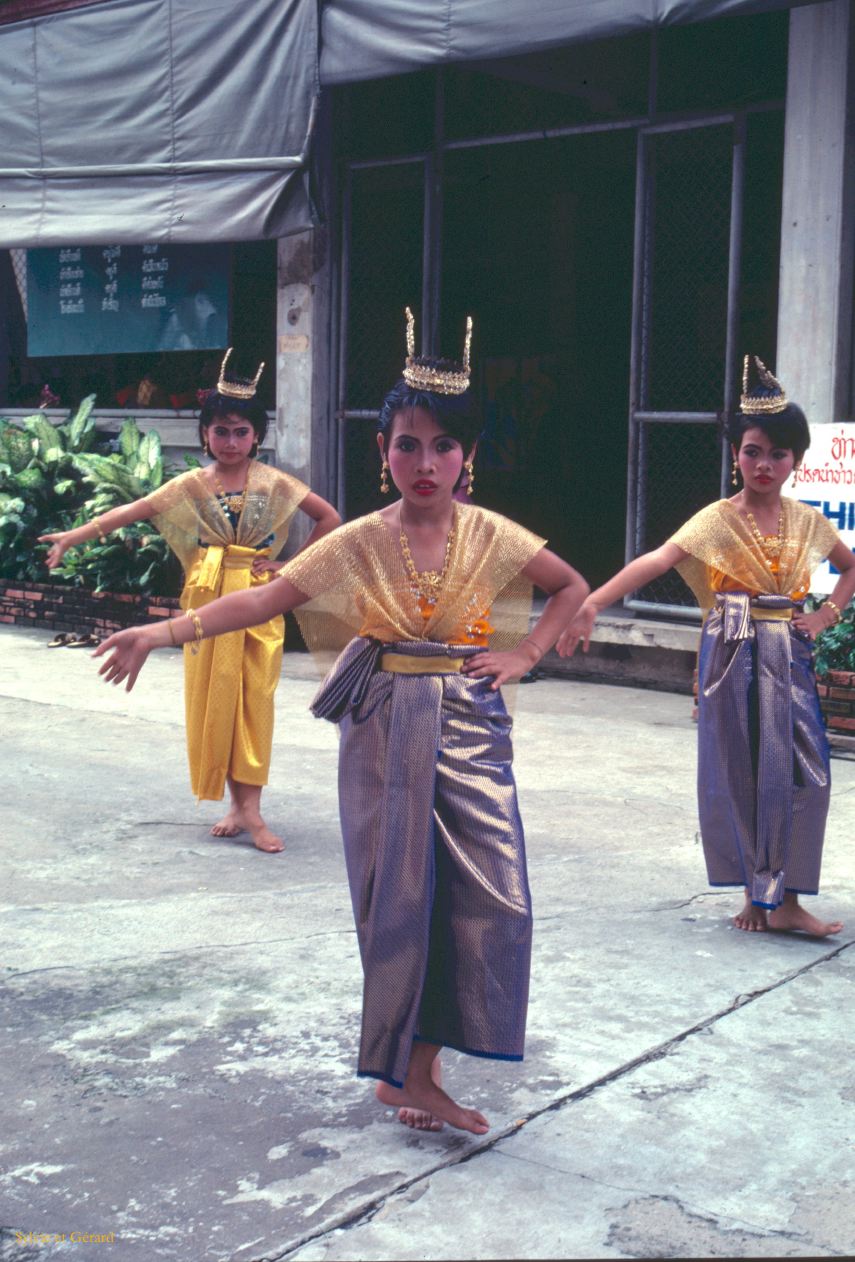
(11, 974)
(718, 1222)
(715, 1216)
(687, 902)
(366, 1213)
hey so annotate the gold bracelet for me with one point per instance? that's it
(836, 609)
(171, 632)
(99, 526)
(200, 630)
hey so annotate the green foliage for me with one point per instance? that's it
(40, 489)
(53, 477)
(835, 648)
(133, 559)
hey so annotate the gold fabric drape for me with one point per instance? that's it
(186, 510)
(229, 684)
(358, 585)
(718, 538)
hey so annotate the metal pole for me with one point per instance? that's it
(432, 248)
(734, 282)
(344, 290)
(635, 397)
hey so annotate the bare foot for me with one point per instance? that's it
(263, 838)
(791, 917)
(752, 919)
(427, 1097)
(229, 826)
(418, 1119)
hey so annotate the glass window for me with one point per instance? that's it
(685, 315)
(386, 250)
(761, 236)
(537, 246)
(162, 380)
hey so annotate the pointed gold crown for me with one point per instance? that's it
(767, 397)
(238, 389)
(423, 374)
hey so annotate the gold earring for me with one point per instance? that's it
(205, 448)
(470, 475)
(734, 470)
(384, 481)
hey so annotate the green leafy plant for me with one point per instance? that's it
(53, 478)
(835, 648)
(134, 558)
(40, 486)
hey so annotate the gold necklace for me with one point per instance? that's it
(234, 500)
(771, 545)
(427, 583)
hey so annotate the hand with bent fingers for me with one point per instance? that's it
(502, 666)
(58, 549)
(579, 629)
(813, 623)
(263, 565)
(128, 650)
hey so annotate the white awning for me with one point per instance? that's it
(157, 121)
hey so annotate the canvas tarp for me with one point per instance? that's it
(157, 121)
(369, 39)
(191, 120)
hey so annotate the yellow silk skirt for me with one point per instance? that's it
(229, 684)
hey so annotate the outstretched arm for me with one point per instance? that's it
(128, 649)
(637, 574)
(566, 589)
(62, 540)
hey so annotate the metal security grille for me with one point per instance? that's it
(383, 266)
(685, 299)
(19, 264)
(683, 473)
(688, 230)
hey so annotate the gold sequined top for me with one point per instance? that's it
(358, 584)
(186, 510)
(724, 554)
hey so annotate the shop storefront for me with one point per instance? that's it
(623, 211)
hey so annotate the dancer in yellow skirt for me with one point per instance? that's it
(227, 524)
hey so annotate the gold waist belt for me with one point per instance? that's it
(759, 614)
(404, 664)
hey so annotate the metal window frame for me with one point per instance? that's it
(646, 126)
(639, 416)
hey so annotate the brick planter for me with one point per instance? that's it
(59, 608)
(837, 702)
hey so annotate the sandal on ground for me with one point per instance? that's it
(83, 642)
(59, 640)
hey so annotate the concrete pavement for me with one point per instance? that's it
(181, 1012)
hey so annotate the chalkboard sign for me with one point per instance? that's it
(103, 300)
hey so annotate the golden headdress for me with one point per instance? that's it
(426, 374)
(767, 396)
(237, 388)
